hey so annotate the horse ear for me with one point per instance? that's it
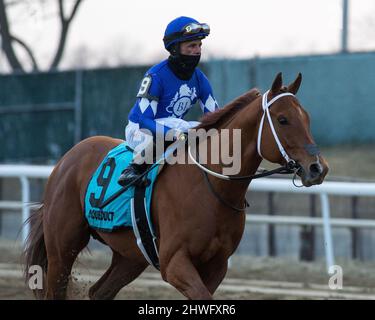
(277, 83)
(293, 87)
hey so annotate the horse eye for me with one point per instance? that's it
(282, 120)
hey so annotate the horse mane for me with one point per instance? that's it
(214, 119)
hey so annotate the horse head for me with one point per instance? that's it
(284, 133)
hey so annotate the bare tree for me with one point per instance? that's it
(8, 39)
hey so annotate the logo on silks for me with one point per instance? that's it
(182, 100)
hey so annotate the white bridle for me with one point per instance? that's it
(266, 105)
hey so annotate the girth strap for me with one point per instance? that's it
(146, 240)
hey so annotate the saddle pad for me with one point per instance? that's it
(103, 184)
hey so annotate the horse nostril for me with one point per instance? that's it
(315, 169)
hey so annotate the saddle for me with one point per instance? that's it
(109, 207)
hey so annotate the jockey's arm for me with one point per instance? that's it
(209, 104)
(147, 121)
(148, 97)
(207, 100)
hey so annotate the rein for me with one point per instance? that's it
(291, 166)
(265, 173)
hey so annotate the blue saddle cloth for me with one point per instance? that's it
(103, 184)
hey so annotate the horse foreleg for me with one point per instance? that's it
(183, 275)
(213, 272)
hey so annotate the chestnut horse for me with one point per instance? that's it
(196, 233)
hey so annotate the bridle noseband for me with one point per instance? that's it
(266, 106)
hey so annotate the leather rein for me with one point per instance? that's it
(291, 166)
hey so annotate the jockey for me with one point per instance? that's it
(167, 92)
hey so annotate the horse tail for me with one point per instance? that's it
(35, 253)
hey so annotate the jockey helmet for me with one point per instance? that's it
(184, 29)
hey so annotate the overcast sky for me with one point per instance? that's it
(115, 32)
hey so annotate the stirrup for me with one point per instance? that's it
(142, 182)
(130, 174)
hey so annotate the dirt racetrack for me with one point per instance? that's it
(248, 278)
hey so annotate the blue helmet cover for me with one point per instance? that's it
(176, 26)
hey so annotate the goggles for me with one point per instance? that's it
(190, 31)
(193, 28)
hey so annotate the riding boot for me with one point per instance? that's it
(132, 172)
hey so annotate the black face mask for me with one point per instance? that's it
(182, 65)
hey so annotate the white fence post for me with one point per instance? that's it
(328, 244)
(25, 207)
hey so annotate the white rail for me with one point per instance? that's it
(27, 172)
(24, 173)
(328, 187)
(310, 221)
(323, 190)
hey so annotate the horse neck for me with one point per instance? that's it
(247, 120)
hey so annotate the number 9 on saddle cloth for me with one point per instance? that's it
(129, 208)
